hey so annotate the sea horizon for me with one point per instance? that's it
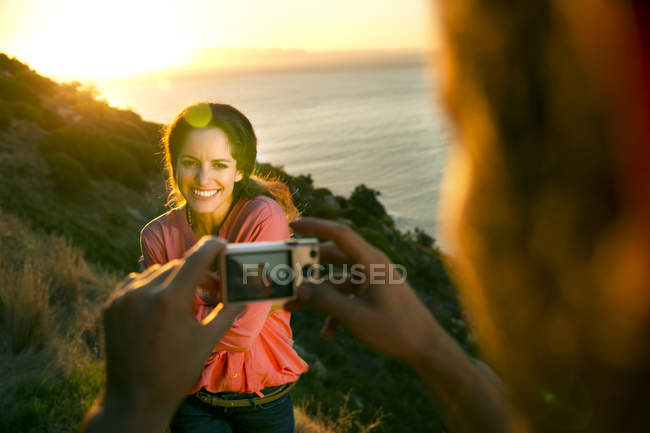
(377, 124)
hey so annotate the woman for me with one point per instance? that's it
(210, 152)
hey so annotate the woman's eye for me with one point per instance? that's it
(220, 165)
(188, 163)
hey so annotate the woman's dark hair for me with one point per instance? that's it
(243, 146)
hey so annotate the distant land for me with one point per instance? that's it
(210, 60)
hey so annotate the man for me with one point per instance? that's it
(549, 204)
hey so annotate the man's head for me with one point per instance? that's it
(554, 265)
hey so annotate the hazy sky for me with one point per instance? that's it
(101, 39)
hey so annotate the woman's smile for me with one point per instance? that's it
(204, 194)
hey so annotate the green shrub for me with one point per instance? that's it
(36, 82)
(121, 166)
(358, 216)
(46, 119)
(143, 152)
(366, 198)
(26, 111)
(68, 175)
(11, 64)
(101, 155)
(13, 90)
(5, 117)
(322, 210)
(423, 238)
(50, 120)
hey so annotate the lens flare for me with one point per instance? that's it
(198, 116)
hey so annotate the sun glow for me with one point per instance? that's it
(96, 40)
(99, 40)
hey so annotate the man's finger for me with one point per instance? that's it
(196, 264)
(134, 275)
(345, 284)
(345, 238)
(331, 254)
(155, 279)
(328, 300)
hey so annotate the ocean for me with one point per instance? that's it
(380, 125)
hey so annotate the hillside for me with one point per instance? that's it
(80, 179)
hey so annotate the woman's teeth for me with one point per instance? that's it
(204, 193)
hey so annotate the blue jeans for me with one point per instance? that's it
(194, 416)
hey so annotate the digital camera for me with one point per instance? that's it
(266, 271)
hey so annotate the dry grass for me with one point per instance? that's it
(49, 299)
(45, 281)
(345, 420)
(24, 306)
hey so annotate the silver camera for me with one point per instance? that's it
(267, 271)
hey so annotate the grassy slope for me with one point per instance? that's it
(49, 298)
(103, 225)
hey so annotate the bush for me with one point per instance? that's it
(36, 82)
(5, 117)
(322, 210)
(101, 155)
(68, 175)
(358, 216)
(46, 119)
(11, 64)
(366, 198)
(13, 90)
(121, 166)
(423, 238)
(50, 120)
(144, 154)
(26, 111)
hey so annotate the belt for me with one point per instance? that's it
(213, 400)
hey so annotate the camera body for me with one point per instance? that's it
(266, 271)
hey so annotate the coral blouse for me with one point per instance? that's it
(257, 351)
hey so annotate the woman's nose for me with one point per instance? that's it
(203, 176)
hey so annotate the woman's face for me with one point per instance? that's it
(206, 171)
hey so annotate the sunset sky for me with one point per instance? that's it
(89, 39)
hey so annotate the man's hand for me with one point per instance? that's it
(389, 318)
(384, 312)
(155, 349)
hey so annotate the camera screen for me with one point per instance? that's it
(255, 276)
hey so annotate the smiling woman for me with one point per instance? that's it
(210, 152)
